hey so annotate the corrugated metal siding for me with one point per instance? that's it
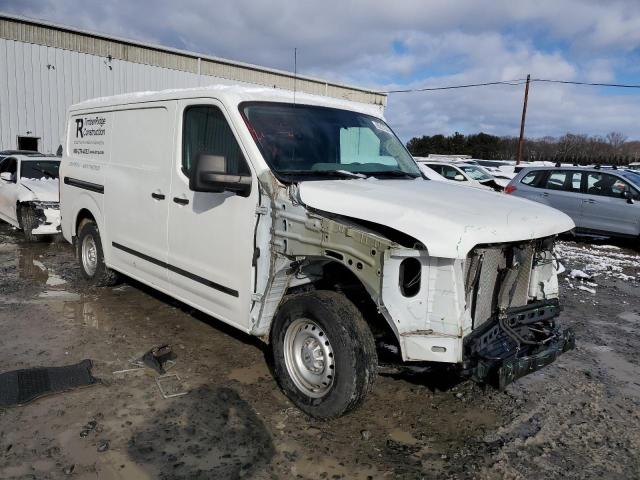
(27, 31)
(39, 83)
(44, 70)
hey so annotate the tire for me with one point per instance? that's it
(28, 222)
(324, 381)
(91, 257)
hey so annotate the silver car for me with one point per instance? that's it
(599, 201)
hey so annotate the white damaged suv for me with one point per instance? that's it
(29, 194)
(308, 224)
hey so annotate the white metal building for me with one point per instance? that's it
(45, 68)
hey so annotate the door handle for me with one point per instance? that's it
(545, 194)
(181, 201)
(589, 200)
(158, 196)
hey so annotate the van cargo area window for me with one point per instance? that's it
(206, 131)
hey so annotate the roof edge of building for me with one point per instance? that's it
(184, 53)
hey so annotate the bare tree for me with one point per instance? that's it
(616, 139)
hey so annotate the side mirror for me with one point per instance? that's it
(6, 176)
(628, 195)
(459, 178)
(209, 174)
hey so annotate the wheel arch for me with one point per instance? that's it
(337, 277)
(85, 207)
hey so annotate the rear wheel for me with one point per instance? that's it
(91, 257)
(324, 353)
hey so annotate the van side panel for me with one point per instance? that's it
(82, 170)
(139, 182)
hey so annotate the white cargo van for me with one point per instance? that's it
(309, 225)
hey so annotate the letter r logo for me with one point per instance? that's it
(79, 125)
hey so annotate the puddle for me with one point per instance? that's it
(59, 294)
(630, 317)
(251, 374)
(625, 372)
(402, 436)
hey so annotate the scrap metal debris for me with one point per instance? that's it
(159, 359)
(158, 356)
(170, 386)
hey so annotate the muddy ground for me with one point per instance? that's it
(578, 418)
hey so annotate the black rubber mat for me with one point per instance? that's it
(22, 386)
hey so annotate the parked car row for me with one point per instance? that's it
(462, 172)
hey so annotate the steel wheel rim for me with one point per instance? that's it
(89, 255)
(309, 359)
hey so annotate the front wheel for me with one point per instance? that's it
(324, 353)
(91, 257)
(28, 222)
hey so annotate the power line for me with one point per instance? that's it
(568, 82)
(519, 81)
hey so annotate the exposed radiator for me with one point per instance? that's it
(497, 278)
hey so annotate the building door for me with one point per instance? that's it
(28, 143)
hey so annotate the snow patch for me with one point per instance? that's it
(55, 280)
(589, 262)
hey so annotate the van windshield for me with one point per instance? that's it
(303, 141)
(37, 169)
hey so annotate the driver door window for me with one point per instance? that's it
(607, 185)
(206, 131)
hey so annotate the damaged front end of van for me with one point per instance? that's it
(479, 293)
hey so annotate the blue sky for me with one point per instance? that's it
(390, 45)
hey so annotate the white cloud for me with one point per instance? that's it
(444, 42)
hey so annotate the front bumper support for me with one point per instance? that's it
(514, 368)
(494, 357)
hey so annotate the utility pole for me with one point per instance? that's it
(524, 116)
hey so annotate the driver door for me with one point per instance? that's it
(211, 235)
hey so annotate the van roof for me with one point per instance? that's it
(230, 94)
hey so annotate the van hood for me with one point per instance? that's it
(448, 219)
(44, 190)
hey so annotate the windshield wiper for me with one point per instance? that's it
(390, 173)
(323, 173)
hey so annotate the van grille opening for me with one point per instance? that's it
(497, 278)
